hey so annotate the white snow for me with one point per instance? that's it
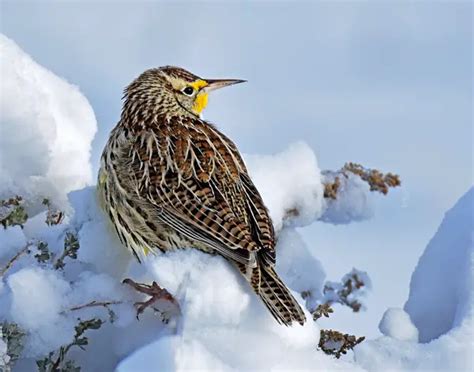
(440, 305)
(37, 299)
(46, 129)
(99, 244)
(452, 352)
(354, 201)
(396, 323)
(222, 325)
(215, 305)
(447, 265)
(288, 181)
(10, 240)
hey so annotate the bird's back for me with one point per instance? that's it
(170, 180)
(193, 172)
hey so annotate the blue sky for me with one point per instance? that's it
(387, 84)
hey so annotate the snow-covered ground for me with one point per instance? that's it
(439, 310)
(221, 325)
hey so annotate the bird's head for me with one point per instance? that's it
(175, 88)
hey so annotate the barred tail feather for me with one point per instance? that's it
(278, 298)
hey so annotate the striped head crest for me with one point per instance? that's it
(171, 90)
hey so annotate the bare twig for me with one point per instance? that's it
(105, 304)
(10, 263)
(94, 304)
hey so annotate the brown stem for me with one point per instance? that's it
(94, 304)
(15, 258)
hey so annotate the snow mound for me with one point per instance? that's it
(447, 264)
(439, 304)
(292, 187)
(40, 299)
(48, 330)
(289, 182)
(354, 201)
(397, 324)
(46, 130)
(451, 352)
(221, 321)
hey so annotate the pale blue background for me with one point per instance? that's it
(387, 84)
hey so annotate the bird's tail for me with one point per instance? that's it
(278, 298)
(274, 294)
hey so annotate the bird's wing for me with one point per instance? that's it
(200, 187)
(260, 222)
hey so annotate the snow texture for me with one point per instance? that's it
(46, 130)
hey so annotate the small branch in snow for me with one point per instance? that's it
(353, 285)
(12, 335)
(12, 212)
(10, 263)
(336, 343)
(346, 293)
(331, 188)
(71, 246)
(53, 216)
(377, 180)
(322, 310)
(104, 304)
(56, 361)
(95, 304)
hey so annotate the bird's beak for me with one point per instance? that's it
(214, 84)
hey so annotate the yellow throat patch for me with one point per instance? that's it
(201, 99)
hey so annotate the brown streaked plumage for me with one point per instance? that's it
(170, 180)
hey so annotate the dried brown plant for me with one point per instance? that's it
(336, 343)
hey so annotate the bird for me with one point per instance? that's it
(171, 180)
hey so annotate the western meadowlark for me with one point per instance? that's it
(171, 180)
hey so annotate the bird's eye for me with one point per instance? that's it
(188, 91)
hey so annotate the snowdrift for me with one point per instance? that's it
(46, 130)
(439, 305)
